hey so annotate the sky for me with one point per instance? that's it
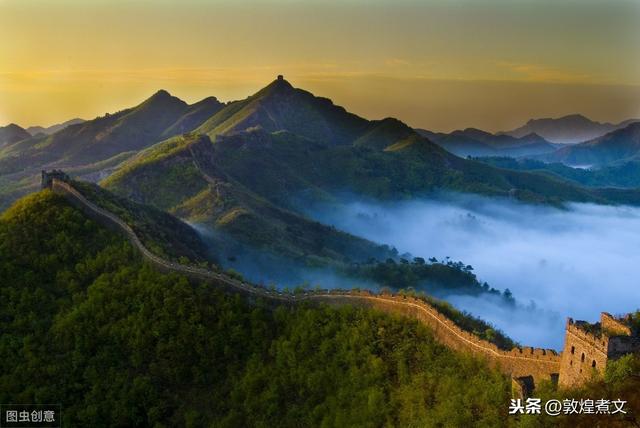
(436, 64)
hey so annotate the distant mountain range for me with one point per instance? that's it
(248, 169)
(618, 174)
(266, 150)
(475, 142)
(616, 146)
(569, 129)
(34, 130)
(613, 143)
(159, 117)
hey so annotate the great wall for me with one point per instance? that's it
(585, 352)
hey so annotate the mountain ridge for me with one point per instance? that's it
(476, 142)
(156, 118)
(569, 129)
(256, 178)
(619, 145)
(12, 133)
(48, 130)
(281, 106)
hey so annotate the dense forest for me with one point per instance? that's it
(433, 277)
(86, 323)
(617, 174)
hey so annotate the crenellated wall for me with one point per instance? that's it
(540, 364)
(583, 356)
(589, 347)
(613, 325)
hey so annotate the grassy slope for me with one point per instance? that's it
(195, 116)
(245, 181)
(280, 106)
(94, 147)
(102, 137)
(160, 232)
(168, 178)
(245, 184)
(278, 165)
(325, 147)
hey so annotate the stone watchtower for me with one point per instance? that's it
(588, 347)
(49, 176)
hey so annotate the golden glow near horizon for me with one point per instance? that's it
(439, 64)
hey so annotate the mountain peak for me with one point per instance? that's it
(161, 94)
(531, 136)
(12, 133)
(570, 118)
(575, 116)
(474, 133)
(280, 106)
(569, 129)
(209, 99)
(163, 99)
(280, 84)
(577, 119)
(14, 127)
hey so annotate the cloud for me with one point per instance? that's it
(544, 73)
(575, 262)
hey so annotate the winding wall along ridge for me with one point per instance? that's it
(539, 363)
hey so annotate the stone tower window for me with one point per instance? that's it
(573, 349)
(593, 363)
(582, 358)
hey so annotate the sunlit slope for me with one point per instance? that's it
(157, 118)
(250, 186)
(264, 156)
(187, 177)
(280, 106)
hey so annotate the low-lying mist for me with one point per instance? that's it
(269, 269)
(574, 262)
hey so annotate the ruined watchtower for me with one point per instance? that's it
(588, 347)
(49, 176)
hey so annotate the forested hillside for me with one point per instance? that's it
(89, 325)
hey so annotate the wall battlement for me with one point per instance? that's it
(47, 178)
(526, 362)
(579, 329)
(589, 347)
(612, 325)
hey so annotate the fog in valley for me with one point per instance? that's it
(574, 262)
(271, 270)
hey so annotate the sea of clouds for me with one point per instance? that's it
(576, 261)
